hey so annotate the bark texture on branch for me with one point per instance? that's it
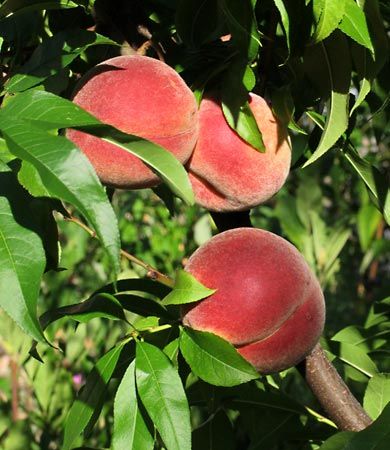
(332, 393)
(321, 376)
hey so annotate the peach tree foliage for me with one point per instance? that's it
(324, 66)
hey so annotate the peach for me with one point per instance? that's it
(228, 174)
(268, 303)
(141, 96)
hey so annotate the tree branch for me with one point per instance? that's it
(326, 384)
(332, 393)
(151, 272)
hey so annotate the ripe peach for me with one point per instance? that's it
(141, 96)
(268, 303)
(228, 174)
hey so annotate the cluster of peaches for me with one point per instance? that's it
(268, 303)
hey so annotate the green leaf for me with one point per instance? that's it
(90, 397)
(357, 358)
(338, 441)
(22, 256)
(100, 305)
(130, 430)
(354, 25)
(377, 394)
(368, 219)
(376, 436)
(235, 105)
(330, 14)
(376, 182)
(56, 158)
(14, 7)
(335, 49)
(52, 112)
(187, 289)
(162, 394)
(215, 360)
(336, 243)
(53, 55)
(285, 22)
(30, 179)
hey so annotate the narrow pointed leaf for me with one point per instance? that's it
(13, 7)
(241, 21)
(354, 25)
(90, 397)
(187, 289)
(130, 430)
(331, 13)
(52, 112)
(67, 175)
(162, 394)
(334, 49)
(376, 182)
(237, 82)
(53, 55)
(377, 394)
(285, 21)
(215, 360)
(375, 437)
(22, 256)
(100, 305)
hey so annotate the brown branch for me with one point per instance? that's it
(151, 272)
(15, 390)
(332, 393)
(320, 374)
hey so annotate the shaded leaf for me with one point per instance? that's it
(334, 49)
(22, 256)
(14, 7)
(187, 289)
(100, 305)
(338, 441)
(216, 433)
(198, 22)
(56, 158)
(53, 55)
(162, 393)
(215, 360)
(136, 285)
(49, 111)
(235, 105)
(285, 21)
(376, 436)
(376, 182)
(241, 20)
(90, 397)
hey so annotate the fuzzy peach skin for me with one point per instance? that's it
(268, 303)
(226, 173)
(141, 96)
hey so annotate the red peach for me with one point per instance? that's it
(141, 96)
(268, 303)
(228, 174)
